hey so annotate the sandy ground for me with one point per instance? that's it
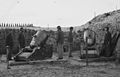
(63, 68)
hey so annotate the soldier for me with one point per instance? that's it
(9, 43)
(107, 43)
(60, 41)
(70, 41)
(21, 39)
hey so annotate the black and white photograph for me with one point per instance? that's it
(59, 38)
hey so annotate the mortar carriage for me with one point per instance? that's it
(40, 48)
(89, 46)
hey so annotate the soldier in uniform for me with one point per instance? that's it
(107, 43)
(21, 39)
(70, 41)
(9, 42)
(60, 41)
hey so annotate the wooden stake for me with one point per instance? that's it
(7, 58)
(86, 52)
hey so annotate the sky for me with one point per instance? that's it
(51, 13)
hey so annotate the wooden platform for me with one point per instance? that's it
(104, 59)
(13, 63)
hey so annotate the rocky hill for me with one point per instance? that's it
(110, 19)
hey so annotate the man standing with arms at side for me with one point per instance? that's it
(107, 43)
(9, 45)
(60, 41)
(70, 41)
(21, 39)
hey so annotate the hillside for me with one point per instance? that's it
(110, 19)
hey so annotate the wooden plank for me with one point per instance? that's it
(13, 63)
(104, 59)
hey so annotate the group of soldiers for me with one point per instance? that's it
(60, 42)
(15, 38)
(109, 47)
(10, 43)
(21, 40)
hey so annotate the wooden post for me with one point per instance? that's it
(7, 57)
(86, 52)
(80, 50)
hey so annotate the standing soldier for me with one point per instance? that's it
(9, 42)
(21, 39)
(70, 41)
(107, 43)
(9, 45)
(60, 41)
